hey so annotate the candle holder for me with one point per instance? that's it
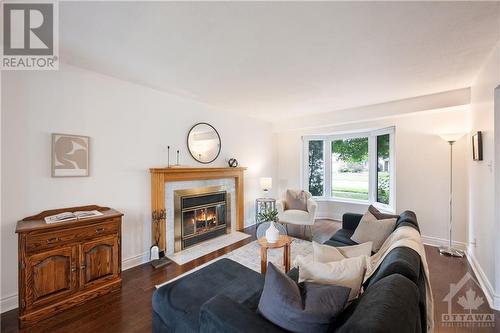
(168, 156)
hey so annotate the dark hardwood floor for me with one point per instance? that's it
(444, 270)
(129, 310)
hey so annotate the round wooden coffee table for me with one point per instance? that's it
(284, 242)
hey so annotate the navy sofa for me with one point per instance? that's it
(223, 297)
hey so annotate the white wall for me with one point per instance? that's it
(484, 223)
(422, 169)
(130, 127)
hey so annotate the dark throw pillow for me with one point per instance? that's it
(379, 215)
(311, 310)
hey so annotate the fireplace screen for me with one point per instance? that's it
(202, 216)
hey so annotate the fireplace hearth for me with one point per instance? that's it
(200, 214)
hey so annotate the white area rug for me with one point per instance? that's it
(249, 256)
(206, 247)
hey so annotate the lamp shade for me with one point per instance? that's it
(451, 137)
(266, 183)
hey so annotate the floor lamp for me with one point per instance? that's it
(449, 250)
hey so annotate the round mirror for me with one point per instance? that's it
(203, 143)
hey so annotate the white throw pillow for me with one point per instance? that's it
(327, 253)
(371, 229)
(347, 272)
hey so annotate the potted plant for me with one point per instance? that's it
(272, 233)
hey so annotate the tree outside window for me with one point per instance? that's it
(383, 175)
(316, 168)
(350, 178)
(355, 167)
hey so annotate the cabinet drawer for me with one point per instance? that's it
(40, 241)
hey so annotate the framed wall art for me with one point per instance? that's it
(477, 146)
(70, 155)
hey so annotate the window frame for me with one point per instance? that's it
(372, 166)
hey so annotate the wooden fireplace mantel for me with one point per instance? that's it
(160, 176)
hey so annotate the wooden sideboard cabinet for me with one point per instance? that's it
(67, 263)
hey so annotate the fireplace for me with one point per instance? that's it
(200, 214)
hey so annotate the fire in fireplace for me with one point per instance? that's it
(200, 214)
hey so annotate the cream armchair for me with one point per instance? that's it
(296, 216)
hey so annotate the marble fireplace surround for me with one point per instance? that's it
(164, 181)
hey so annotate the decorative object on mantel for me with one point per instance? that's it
(70, 155)
(67, 263)
(176, 165)
(477, 146)
(204, 143)
(232, 162)
(160, 176)
(168, 156)
(449, 250)
(157, 256)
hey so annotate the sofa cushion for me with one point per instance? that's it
(283, 304)
(294, 216)
(221, 314)
(407, 218)
(342, 238)
(401, 260)
(178, 304)
(379, 215)
(327, 253)
(347, 272)
(371, 229)
(390, 306)
(296, 200)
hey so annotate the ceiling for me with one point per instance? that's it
(272, 60)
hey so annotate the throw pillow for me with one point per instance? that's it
(347, 272)
(313, 310)
(296, 200)
(371, 229)
(327, 253)
(381, 216)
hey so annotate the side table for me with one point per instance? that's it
(283, 242)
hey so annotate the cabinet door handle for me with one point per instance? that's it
(82, 267)
(98, 230)
(73, 269)
(52, 240)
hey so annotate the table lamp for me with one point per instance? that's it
(266, 184)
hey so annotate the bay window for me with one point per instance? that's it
(353, 167)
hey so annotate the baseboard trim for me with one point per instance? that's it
(136, 260)
(329, 216)
(8, 303)
(489, 292)
(436, 241)
(249, 222)
(11, 302)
